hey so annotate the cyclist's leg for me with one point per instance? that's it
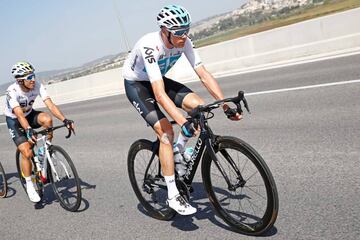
(191, 101)
(141, 96)
(184, 98)
(165, 133)
(26, 154)
(38, 119)
(181, 95)
(19, 138)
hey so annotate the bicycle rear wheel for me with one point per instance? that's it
(147, 180)
(3, 182)
(39, 187)
(64, 179)
(249, 204)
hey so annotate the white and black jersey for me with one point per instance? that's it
(16, 97)
(150, 59)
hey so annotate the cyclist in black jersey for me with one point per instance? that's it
(146, 86)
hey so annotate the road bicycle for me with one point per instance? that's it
(56, 168)
(238, 182)
(3, 182)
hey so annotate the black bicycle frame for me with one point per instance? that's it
(206, 139)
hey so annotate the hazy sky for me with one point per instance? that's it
(68, 33)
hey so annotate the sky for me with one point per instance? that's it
(55, 35)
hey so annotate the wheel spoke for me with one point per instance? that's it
(64, 179)
(243, 199)
(150, 188)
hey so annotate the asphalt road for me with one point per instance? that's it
(309, 138)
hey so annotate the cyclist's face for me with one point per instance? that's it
(29, 80)
(178, 42)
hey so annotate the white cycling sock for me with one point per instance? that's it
(28, 180)
(171, 186)
(181, 142)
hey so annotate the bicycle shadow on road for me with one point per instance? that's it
(9, 179)
(84, 186)
(199, 199)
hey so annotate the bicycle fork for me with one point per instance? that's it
(52, 166)
(240, 180)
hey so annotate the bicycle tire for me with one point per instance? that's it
(67, 186)
(147, 181)
(39, 187)
(3, 182)
(239, 219)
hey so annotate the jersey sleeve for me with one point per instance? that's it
(11, 100)
(191, 54)
(150, 57)
(43, 94)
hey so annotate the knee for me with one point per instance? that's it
(167, 137)
(192, 101)
(45, 120)
(26, 152)
(198, 101)
(165, 133)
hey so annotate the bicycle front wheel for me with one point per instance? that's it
(3, 182)
(240, 186)
(64, 179)
(147, 180)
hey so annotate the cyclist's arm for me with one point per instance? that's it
(54, 109)
(213, 87)
(206, 78)
(21, 118)
(163, 99)
(209, 82)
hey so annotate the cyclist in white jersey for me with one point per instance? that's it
(21, 118)
(146, 87)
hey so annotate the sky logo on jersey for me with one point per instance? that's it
(149, 55)
(12, 134)
(8, 96)
(150, 100)
(136, 105)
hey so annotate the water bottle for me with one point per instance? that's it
(41, 155)
(180, 164)
(37, 163)
(188, 153)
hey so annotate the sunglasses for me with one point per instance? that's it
(180, 32)
(29, 77)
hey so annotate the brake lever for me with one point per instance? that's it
(246, 105)
(69, 132)
(241, 98)
(196, 123)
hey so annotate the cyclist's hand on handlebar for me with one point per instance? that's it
(69, 124)
(232, 113)
(31, 135)
(188, 129)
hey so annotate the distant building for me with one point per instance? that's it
(256, 5)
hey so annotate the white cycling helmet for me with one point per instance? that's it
(173, 16)
(21, 69)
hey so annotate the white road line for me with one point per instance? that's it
(304, 87)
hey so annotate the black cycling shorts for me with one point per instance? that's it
(141, 96)
(17, 133)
